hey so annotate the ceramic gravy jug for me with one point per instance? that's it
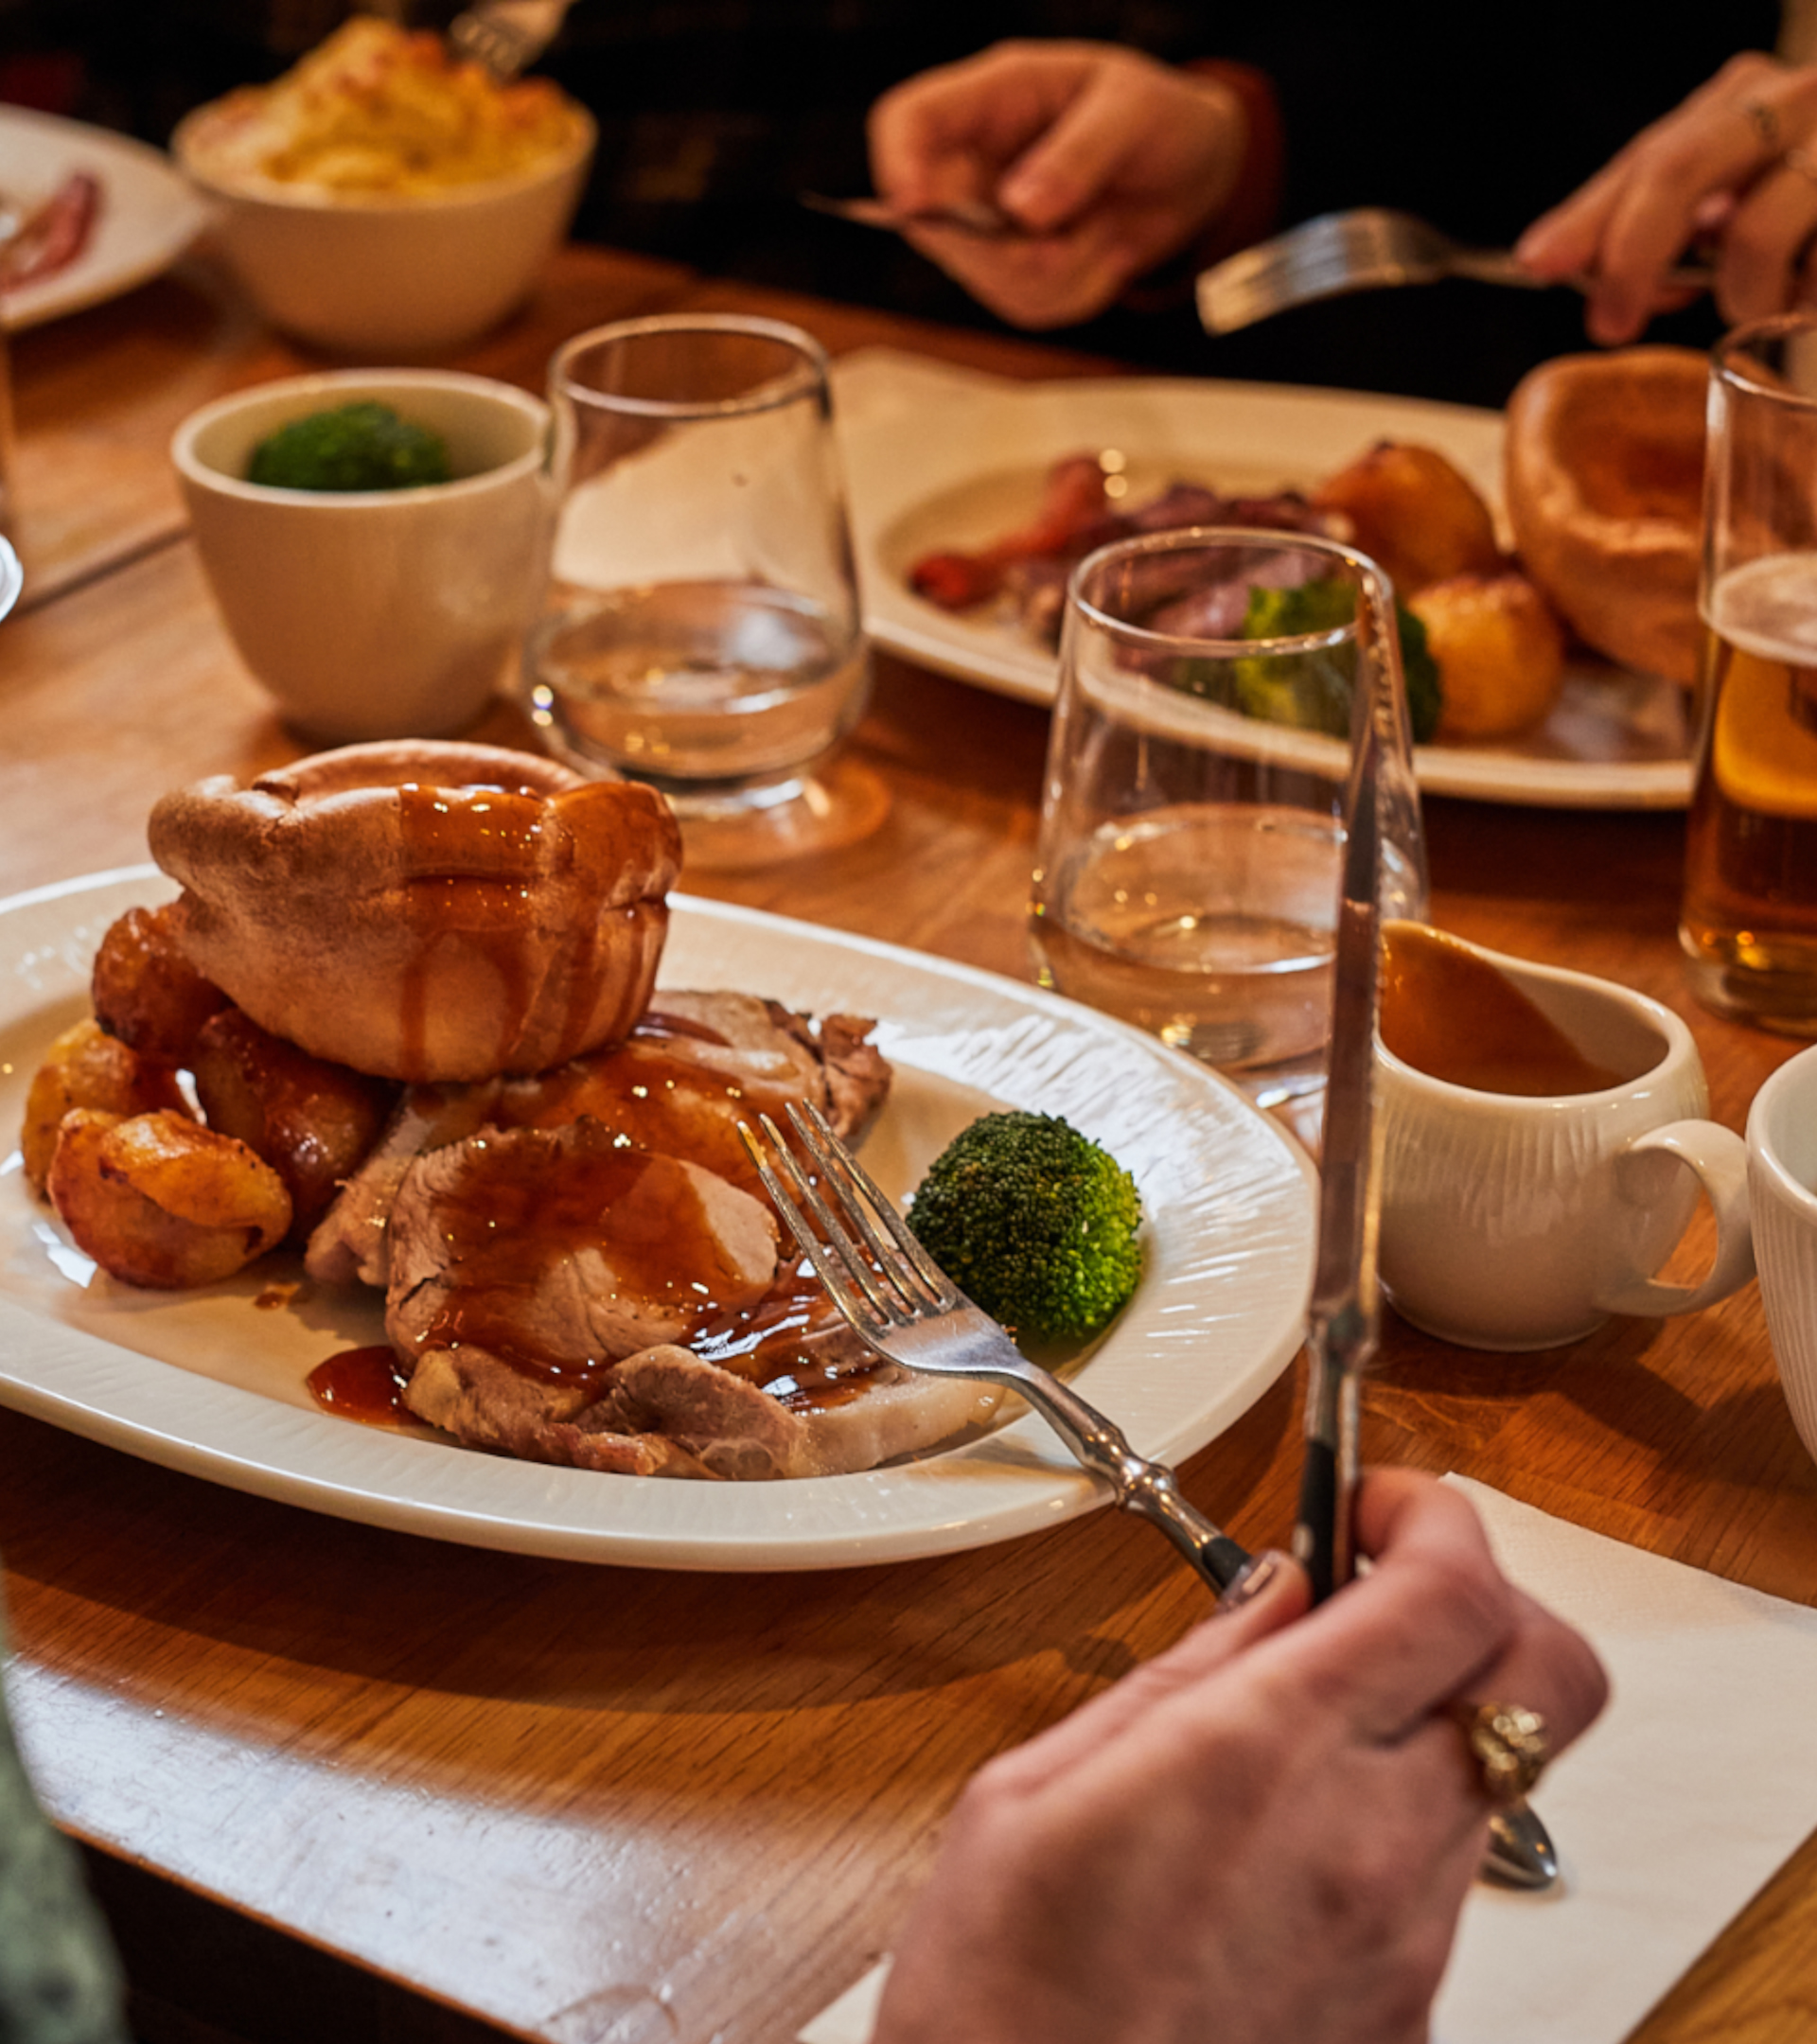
(1544, 1140)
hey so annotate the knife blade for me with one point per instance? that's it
(969, 215)
(1345, 1314)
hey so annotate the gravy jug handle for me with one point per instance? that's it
(1720, 1159)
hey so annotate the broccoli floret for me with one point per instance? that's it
(1034, 1221)
(360, 447)
(1328, 603)
(1425, 691)
(1312, 692)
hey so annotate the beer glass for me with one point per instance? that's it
(1192, 829)
(1749, 921)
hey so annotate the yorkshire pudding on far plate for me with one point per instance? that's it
(425, 912)
(1605, 495)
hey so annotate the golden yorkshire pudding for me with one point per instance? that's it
(425, 912)
(1605, 495)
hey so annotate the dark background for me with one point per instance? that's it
(714, 114)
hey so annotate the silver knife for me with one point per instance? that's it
(1344, 1318)
(1345, 1315)
(965, 215)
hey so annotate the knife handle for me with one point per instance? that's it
(1316, 1535)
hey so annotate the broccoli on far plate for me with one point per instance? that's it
(364, 446)
(1035, 1223)
(1311, 691)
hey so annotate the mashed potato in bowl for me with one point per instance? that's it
(380, 113)
(383, 200)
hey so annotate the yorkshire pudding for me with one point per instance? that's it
(1605, 490)
(425, 912)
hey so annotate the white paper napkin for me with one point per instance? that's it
(1681, 1802)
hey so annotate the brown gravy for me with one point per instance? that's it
(363, 1384)
(770, 1344)
(511, 1227)
(1454, 1016)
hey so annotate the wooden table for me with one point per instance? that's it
(330, 1775)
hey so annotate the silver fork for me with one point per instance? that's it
(507, 36)
(1367, 249)
(907, 1308)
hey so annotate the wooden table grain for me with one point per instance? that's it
(329, 1774)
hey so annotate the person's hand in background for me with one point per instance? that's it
(1111, 161)
(1266, 1834)
(1732, 170)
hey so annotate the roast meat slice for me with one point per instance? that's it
(348, 1245)
(546, 1282)
(565, 1249)
(731, 1428)
(697, 1064)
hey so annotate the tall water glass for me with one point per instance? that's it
(700, 628)
(1749, 922)
(1187, 877)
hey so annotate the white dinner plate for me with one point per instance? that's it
(938, 457)
(213, 1382)
(149, 215)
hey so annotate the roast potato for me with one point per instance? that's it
(145, 990)
(1415, 516)
(310, 1120)
(158, 1200)
(87, 1068)
(1499, 649)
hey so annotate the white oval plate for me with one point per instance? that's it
(941, 457)
(210, 1384)
(149, 215)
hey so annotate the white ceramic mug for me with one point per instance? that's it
(1782, 1171)
(1512, 1221)
(375, 614)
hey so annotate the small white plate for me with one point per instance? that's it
(149, 215)
(209, 1383)
(939, 457)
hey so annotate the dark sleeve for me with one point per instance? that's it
(1477, 118)
(60, 1983)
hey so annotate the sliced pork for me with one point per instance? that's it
(566, 1249)
(566, 1299)
(696, 1066)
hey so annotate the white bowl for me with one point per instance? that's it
(1782, 1173)
(375, 614)
(390, 278)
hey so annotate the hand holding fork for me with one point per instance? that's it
(905, 1308)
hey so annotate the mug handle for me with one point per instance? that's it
(1720, 1159)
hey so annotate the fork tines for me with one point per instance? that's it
(507, 36)
(876, 1285)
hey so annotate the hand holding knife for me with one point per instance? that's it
(1344, 1316)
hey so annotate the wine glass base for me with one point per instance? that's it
(839, 804)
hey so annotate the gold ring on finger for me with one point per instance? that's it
(1507, 1743)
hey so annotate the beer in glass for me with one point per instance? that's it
(1749, 920)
